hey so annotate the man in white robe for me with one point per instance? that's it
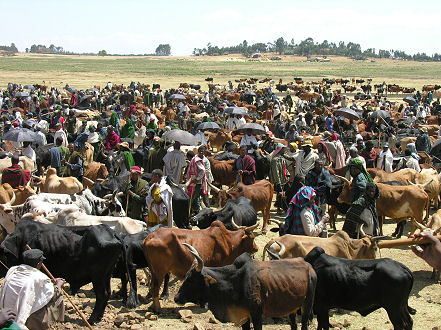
(174, 162)
(159, 201)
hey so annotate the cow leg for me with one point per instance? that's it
(132, 300)
(256, 318)
(332, 212)
(154, 289)
(102, 293)
(164, 294)
(380, 225)
(247, 325)
(400, 317)
(323, 319)
(292, 321)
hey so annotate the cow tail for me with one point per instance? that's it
(308, 304)
(124, 256)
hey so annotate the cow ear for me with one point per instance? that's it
(209, 280)
(10, 245)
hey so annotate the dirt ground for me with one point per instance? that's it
(425, 297)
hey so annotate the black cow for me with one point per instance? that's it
(282, 88)
(262, 165)
(126, 99)
(248, 289)
(135, 260)
(156, 86)
(110, 185)
(180, 204)
(195, 87)
(362, 286)
(80, 255)
(209, 79)
(240, 210)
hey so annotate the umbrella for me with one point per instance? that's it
(208, 125)
(30, 122)
(93, 89)
(182, 136)
(31, 87)
(177, 97)
(236, 111)
(72, 90)
(250, 93)
(19, 135)
(256, 128)
(85, 97)
(21, 94)
(380, 114)
(347, 113)
(410, 100)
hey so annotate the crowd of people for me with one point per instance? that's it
(288, 139)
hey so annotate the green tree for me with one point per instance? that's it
(280, 45)
(163, 50)
(102, 53)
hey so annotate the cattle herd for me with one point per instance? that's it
(82, 227)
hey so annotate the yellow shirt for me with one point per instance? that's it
(153, 217)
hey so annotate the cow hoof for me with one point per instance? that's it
(164, 297)
(131, 303)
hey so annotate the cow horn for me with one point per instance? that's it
(234, 224)
(108, 196)
(188, 182)
(215, 189)
(282, 248)
(342, 178)
(172, 183)
(120, 194)
(378, 238)
(363, 234)
(195, 254)
(232, 188)
(427, 183)
(88, 180)
(100, 180)
(251, 228)
(277, 222)
(419, 225)
(12, 199)
(411, 183)
(37, 177)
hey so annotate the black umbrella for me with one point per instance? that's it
(30, 122)
(182, 136)
(93, 89)
(410, 100)
(85, 97)
(236, 111)
(31, 87)
(347, 113)
(254, 127)
(177, 97)
(72, 90)
(380, 114)
(21, 94)
(250, 93)
(19, 135)
(209, 125)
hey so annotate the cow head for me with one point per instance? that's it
(247, 243)
(111, 206)
(7, 217)
(203, 219)
(196, 282)
(222, 195)
(345, 195)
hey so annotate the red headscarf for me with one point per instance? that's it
(333, 137)
(326, 151)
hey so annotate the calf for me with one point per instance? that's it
(80, 255)
(362, 286)
(246, 290)
(218, 247)
(339, 245)
(54, 184)
(239, 212)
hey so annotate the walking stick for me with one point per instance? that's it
(405, 242)
(64, 292)
(127, 203)
(191, 196)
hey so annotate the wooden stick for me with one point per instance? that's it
(64, 292)
(404, 242)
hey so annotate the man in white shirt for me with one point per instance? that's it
(231, 123)
(31, 295)
(200, 136)
(249, 141)
(241, 121)
(174, 162)
(62, 134)
(386, 159)
(305, 159)
(28, 151)
(41, 137)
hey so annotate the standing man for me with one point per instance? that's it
(304, 159)
(112, 139)
(137, 191)
(15, 175)
(59, 155)
(197, 179)
(61, 133)
(319, 179)
(386, 159)
(41, 137)
(249, 141)
(278, 174)
(245, 166)
(174, 162)
(360, 179)
(28, 151)
(159, 201)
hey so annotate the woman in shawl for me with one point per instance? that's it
(115, 122)
(278, 174)
(360, 178)
(363, 212)
(112, 139)
(302, 217)
(128, 130)
(341, 155)
(129, 162)
(323, 153)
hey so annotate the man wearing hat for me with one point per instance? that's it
(386, 159)
(60, 133)
(278, 174)
(137, 191)
(7, 127)
(31, 295)
(305, 158)
(95, 141)
(422, 142)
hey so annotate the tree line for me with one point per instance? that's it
(308, 47)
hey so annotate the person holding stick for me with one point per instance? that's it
(137, 191)
(31, 295)
(431, 252)
(197, 180)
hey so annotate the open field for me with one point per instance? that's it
(86, 71)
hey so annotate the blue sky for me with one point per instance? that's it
(129, 26)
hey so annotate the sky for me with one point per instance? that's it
(138, 27)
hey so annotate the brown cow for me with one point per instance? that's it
(395, 202)
(217, 246)
(339, 245)
(223, 171)
(260, 193)
(95, 172)
(54, 184)
(218, 139)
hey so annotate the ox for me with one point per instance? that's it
(218, 247)
(21, 194)
(395, 202)
(246, 290)
(362, 286)
(54, 184)
(339, 245)
(223, 171)
(239, 212)
(260, 193)
(79, 255)
(95, 171)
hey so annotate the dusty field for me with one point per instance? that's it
(87, 71)
(425, 297)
